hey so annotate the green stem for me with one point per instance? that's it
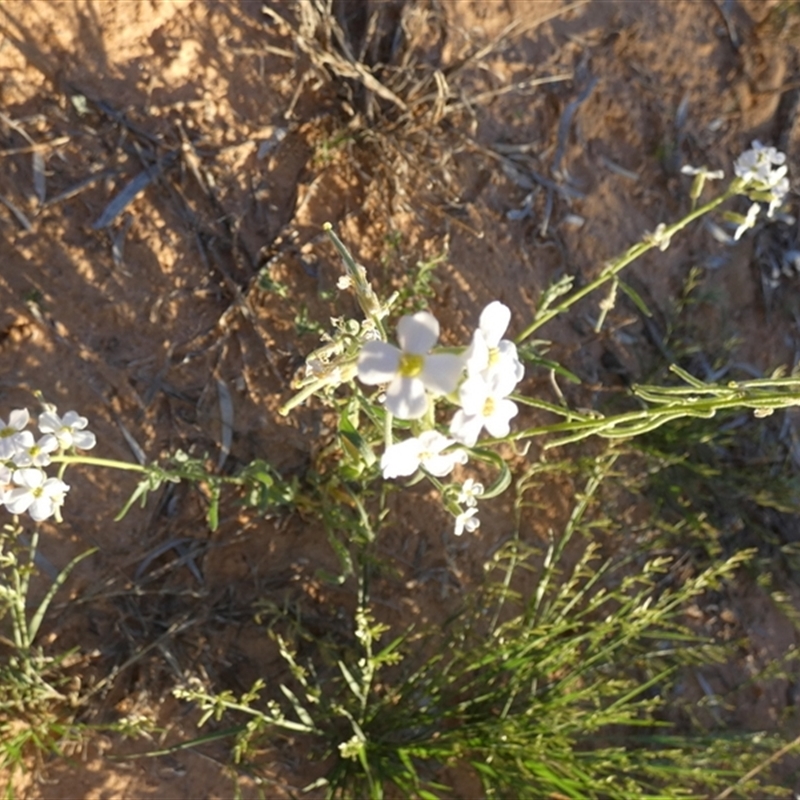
(388, 439)
(99, 462)
(300, 397)
(620, 263)
(671, 405)
(366, 296)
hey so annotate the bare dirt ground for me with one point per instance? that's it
(165, 169)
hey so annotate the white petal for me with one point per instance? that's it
(509, 355)
(441, 465)
(418, 333)
(378, 362)
(502, 381)
(30, 477)
(406, 398)
(48, 443)
(477, 355)
(84, 440)
(49, 422)
(55, 488)
(74, 420)
(19, 418)
(465, 428)
(18, 501)
(433, 442)
(498, 424)
(472, 524)
(401, 459)
(441, 372)
(473, 394)
(42, 508)
(494, 322)
(23, 439)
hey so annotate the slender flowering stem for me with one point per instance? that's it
(164, 472)
(366, 297)
(626, 258)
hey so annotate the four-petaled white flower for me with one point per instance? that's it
(12, 435)
(757, 164)
(410, 370)
(467, 521)
(405, 458)
(69, 429)
(34, 492)
(34, 454)
(470, 492)
(489, 352)
(484, 404)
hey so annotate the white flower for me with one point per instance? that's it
(405, 458)
(748, 221)
(701, 175)
(711, 175)
(470, 492)
(489, 352)
(411, 369)
(35, 454)
(12, 435)
(484, 404)
(35, 493)
(756, 165)
(69, 429)
(467, 521)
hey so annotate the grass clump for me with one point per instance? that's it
(561, 690)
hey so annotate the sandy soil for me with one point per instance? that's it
(551, 153)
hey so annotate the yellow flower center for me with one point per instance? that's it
(488, 407)
(411, 365)
(494, 356)
(6, 432)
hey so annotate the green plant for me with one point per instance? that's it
(38, 712)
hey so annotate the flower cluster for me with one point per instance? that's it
(763, 172)
(24, 485)
(479, 380)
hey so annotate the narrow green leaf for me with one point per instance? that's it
(352, 683)
(303, 715)
(635, 298)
